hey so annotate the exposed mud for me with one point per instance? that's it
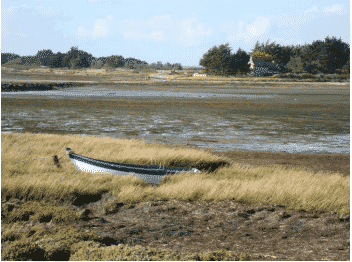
(265, 232)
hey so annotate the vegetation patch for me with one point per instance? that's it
(39, 212)
(22, 251)
(291, 187)
(94, 251)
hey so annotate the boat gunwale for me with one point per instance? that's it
(139, 169)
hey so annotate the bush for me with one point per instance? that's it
(88, 250)
(18, 231)
(112, 207)
(18, 215)
(94, 251)
(241, 74)
(39, 212)
(54, 250)
(11, 234)
(220, 255)
(74, 235)
(21, 251)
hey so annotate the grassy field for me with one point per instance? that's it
(40, 180)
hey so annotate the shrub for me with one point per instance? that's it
(18, 231)
(220, 255)
(11, 234)
(40, 213)
(91, 250)
(19, 215)
(54, 250)
(306, 75)
(88, 250)
(74, 235)
(7, 207)
(22, 250)
(112, 207)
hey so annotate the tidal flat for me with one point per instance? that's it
(287, 145)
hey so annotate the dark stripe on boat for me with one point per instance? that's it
(138, 169)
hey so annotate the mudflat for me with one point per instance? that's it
(265, 232)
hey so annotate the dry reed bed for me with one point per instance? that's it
(41, 180)
(122, 74)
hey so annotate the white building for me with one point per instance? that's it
(196, 74)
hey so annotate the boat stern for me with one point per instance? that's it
(195, 170)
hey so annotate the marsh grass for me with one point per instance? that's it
(95, 251)
(42, 243)
(51, 248)
(41, 213)
(41, 180)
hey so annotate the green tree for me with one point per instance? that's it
(346, 68)
(5, 57)
(76, 58)
(177, 66)
(314, 67)
(295, 65)
(338, 53)
(69, 59)
(240, 62)
(114, 61)
(56, 60)
(218, 61)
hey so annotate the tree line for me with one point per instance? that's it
(327, 56)
(76, 58)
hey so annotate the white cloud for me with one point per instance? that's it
(292, 24)
(192, 31)
(334, 9)
(162, 28)
(151, 29)
(118, 2)
(100, 28)
(313, 9)
(242, 32)
(48, 12)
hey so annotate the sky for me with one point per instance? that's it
(174, 31)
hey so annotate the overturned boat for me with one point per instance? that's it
(149, 173)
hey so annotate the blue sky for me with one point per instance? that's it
(175, 31)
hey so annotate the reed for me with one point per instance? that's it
(40, 179)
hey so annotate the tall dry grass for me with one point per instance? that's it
(40, 179)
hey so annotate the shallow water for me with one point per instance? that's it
(111, 93)
(222, 129)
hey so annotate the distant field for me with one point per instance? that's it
(150, 75)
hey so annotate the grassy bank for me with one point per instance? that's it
(41, 180)
(147, 75)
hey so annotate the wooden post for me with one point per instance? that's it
(56, 161)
